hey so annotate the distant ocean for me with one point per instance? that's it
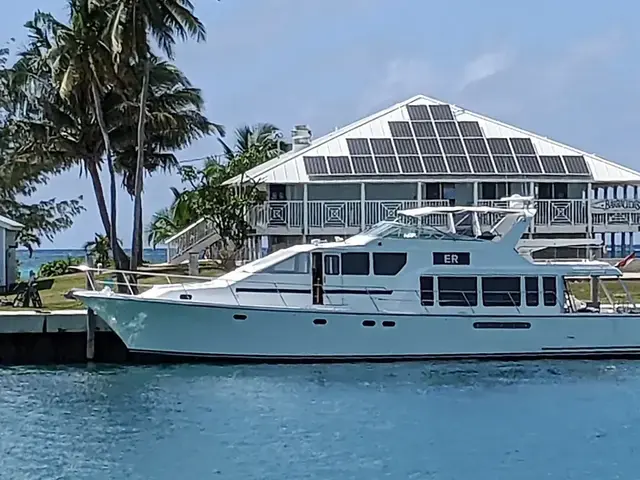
(42, 256)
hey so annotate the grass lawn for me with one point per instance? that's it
(53, 299)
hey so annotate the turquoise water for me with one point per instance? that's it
(487, 421)
(42, 256)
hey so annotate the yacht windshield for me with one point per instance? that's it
(405, 230)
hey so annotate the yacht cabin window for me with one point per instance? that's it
(458, 291)
(532, 291)
(331, 265)
(388, 264)
(426, 291)
(296, 264)
(549, 290)
(501, 291)
(355, 263)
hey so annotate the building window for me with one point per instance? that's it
(432, 191)
(501, 291)
(549, 290)
(426, 291)
(355, 263)
(388, 263)
(331, 265)
(457, 291)
(532, 291)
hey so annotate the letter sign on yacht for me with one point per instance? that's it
(453, 258)
(376, 296)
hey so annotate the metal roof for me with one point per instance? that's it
(529, 157)
(9, 224)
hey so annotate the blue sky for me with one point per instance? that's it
(568, 70)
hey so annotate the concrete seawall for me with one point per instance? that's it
(60, 337)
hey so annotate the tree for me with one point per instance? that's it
(18, 180)
(168, 221)
(269, 137)
(134, 23)
(99, 248)
(175, 120)
(226, 207)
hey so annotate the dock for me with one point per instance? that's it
(39, 337)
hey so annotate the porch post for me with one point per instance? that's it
(419, 193)
(305, 212)
(533, 193)
(363, 224)
(475, 193)
(589, 217)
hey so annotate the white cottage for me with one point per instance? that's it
(8, 263)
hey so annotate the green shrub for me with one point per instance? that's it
(55, 268)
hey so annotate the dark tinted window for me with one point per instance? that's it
(549, 291)
(457, 291)
(332, 265)
(501, 291)
(426, 291)
(532, 290)
(388, 263)
(355, 263)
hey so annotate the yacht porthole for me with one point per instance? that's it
(319, 321)
(239, 316)
(388, 323)
(185, 296)
(368, 323)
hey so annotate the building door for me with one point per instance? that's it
(317, 290)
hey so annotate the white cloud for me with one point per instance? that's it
(483, 67)
(399, 79)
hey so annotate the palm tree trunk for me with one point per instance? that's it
(102, 207)
(136, 241)
(140, 240)
(118, 255)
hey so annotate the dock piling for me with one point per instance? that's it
(91, 316)
(194, 266)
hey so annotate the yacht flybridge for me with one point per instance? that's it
(400, 290)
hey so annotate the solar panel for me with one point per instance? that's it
(447, 129)
(410, 164)
(363, 165)
(529, 164)
(382, 146)
(405, 146)
(476, 146)
(315, 165)
(418, 112)
(499, 146)
(387, 164)
(576, 164)
(358, 146)
(470, 129)
(552, 164)
(434, 164)
(441, 112)
(339, 165)
(452, 146)
(522, 146)
(481, 164)
(505, 164)
(400, 129)
(429, 146)
(458, 164)
(423, 129)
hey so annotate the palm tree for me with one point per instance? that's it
(174, 121)
(169, 221)
(133, 24)
(267, 135)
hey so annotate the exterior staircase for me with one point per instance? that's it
(194, 239)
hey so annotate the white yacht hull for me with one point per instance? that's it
(245, 333)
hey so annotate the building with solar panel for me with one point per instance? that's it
(424, 152)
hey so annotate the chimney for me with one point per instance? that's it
(301, 137)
